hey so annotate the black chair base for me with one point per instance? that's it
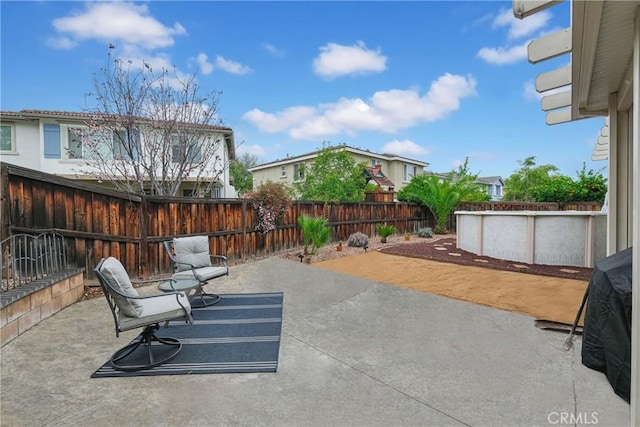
(204, 300)
(129, 360)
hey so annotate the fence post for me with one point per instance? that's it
(243, 224)
(4, 202)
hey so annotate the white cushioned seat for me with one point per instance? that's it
(155, 310)
(202, 274)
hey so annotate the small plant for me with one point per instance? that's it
(425, 232)
(385, 230)
(315, 232)
(358, 240)
(339, 247)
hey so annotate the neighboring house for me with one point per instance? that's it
(48, 141)
(494, 186)
(398, 170)
(377, 177)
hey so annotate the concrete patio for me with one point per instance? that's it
(353, 353)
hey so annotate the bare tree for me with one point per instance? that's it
(149, 131)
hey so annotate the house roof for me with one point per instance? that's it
(314, 154)
(489, 179)
(375, 174)
(80, 116)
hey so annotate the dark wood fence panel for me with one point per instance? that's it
(100, 222)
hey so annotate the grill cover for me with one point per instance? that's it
(606, 339)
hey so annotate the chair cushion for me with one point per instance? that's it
(193, 250)
(202, 274)
(118, 279)
(158, 308)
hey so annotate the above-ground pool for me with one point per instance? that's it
(572, 238)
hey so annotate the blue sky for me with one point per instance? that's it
(428, 80)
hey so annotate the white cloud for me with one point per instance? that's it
(279, 122)
(405, 147)
(337, 60)
(118, 22)
(254, 150)
(530, 92)
(231, 66)
(384, 111)
(203, 63)
(62, 43)
(518, 28)
(502, 55)
(273, 50)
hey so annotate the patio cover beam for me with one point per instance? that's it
(524, 8)
(554, 79)
(556, 100)
(550, 46)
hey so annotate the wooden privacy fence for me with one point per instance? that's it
(100, 222)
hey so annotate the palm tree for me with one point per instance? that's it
(315, 232)
(441, 197)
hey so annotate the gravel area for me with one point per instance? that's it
(443, 248)
(329, 251)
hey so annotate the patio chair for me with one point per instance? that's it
(191, 258)
(132, 311)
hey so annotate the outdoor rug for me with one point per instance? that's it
(239, 334)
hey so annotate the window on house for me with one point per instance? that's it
(217, 192)
(375, 162)
(122, 139)
(103, 146)
(498, 190)
(185, 150)
(298, 172)
(193, 192)
(75, 145)
(7, 144)
(409, 172)
(283, 171)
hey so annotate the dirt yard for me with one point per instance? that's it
(544, 292)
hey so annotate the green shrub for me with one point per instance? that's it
(385, 230)
(315, 232)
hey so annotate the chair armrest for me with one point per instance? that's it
(220, 258)
(155, 295)
(184, 263)
(148, 281)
